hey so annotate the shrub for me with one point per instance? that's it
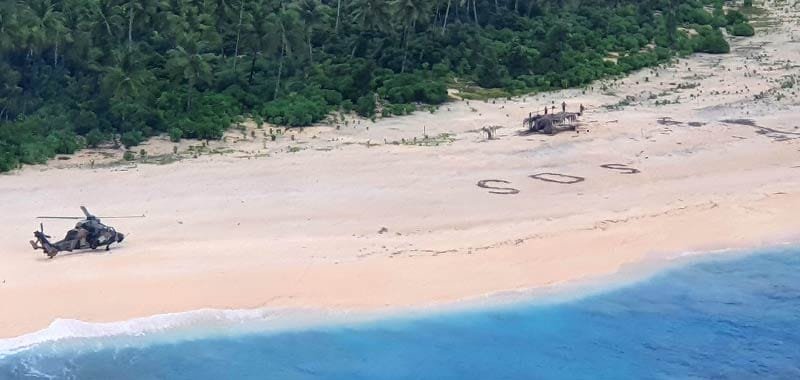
(175, 134)
(94, 138)
(711, 41)
(347, 105)
(295, 110)
(128, 156)
(131, 139)
(743, 30)
(63, 142)
(365, 106)
(735, 17)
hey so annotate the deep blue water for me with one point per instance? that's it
(723, 319)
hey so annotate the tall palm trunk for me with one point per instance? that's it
(405, 49)
(446, 14)
(338, 12)
(280, 70)
(252, 68)
(189, 95)
(238, 35)
(436, 14)
(310, 49)
(474, 10)
(130, 25)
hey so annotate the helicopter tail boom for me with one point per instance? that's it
(43, 243)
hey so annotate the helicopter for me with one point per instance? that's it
(89, 233)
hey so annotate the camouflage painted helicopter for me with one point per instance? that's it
(89, 233)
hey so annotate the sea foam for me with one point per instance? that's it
(181, 325)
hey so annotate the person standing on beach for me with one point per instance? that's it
(563, 107)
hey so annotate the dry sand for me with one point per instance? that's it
(340, 219)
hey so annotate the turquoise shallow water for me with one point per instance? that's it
(735, 318)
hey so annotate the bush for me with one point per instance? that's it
(94, 138)
(295, 110)
(743, 30)
(63, 142)
(365, 106)
(408, 88)
(8, 160)
(131, 139)
(399, 109)
(735, 17)
(175, 134)
(347, 105)
(711, 41)
(128, 156)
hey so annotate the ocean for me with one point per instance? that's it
(735, 317)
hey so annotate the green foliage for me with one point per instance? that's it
(295, 110)
(131, 138)
(407, 88)
(735, 17)
(128, 156)
(77, 72)
(742, 29)
(94, 138)
(175, 134)
(710, 40)
(365, 106)
(399, 109)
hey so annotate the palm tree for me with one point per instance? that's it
(371, 14)
(132, 6)
(474, 8)
(262, 34)
(409, 11)
(43, 26)
(288, 24)
(311, 14)
(188, 62)
(126, 83)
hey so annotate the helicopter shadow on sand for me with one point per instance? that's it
(66, 255)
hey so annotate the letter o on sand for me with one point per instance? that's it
(563, 179)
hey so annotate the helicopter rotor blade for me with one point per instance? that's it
(120, 217)
(61, 217)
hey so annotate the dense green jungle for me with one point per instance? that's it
(79, 73)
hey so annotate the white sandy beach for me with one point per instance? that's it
(345, 219)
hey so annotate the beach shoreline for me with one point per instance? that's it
(221, 323)
(362, 219)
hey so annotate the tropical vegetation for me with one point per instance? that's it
(76, 73)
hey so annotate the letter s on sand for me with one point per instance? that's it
(503, 190)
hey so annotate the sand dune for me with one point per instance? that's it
(344, 218)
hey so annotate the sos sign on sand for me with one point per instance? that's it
(499, 186)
